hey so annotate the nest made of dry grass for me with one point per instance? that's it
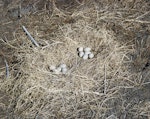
(91, 88)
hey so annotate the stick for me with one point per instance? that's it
(105, 81)
(19, 11)
(31, 38)
(7, 69)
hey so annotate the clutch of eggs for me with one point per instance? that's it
(85, 53)
(62, 68)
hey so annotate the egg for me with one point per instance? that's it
(87, 49)
(85, 56)
(56, 71)
(52, 68)
(81, 54)
(91, 55)
(64, 70)
(87, 53)
(59, 69)
(80, 49)
(63, 66)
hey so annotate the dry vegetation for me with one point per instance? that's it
(115, 84)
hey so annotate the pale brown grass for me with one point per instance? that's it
(94, 88)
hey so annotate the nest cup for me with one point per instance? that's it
(91, 88)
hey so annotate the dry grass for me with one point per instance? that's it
(109, 86)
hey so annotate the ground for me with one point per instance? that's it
(115, 84)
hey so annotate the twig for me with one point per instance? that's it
(7, 69)
(138, 21)
(19, 11)
(31, 38)
(7, 43)
(139, 17)
(105, 81)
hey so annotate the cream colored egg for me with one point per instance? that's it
(87, 49)
(52, 67)
(59, 69)
(63, 66)
(91, 55)
(81, 54)
(80, 49)
(87, 53)
(64, 70)
(85, 57)
(56, 71)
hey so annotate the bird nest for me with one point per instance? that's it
(92, 88)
